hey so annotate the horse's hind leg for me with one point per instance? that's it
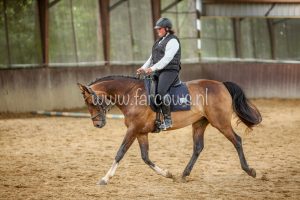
(198, 133)
(237, 142)
(144, 146)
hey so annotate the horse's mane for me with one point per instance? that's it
(113, 77)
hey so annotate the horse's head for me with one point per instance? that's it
(97, 105)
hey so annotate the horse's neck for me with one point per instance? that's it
(117, 87)
(121, 92)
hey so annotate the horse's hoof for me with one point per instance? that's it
(252, 172)
(102, 182)
(169, 175)
(183, 179)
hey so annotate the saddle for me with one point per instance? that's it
(180, 98)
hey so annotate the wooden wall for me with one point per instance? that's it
(23, 90)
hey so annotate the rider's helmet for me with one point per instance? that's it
(163, 23)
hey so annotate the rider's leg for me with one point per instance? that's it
(166, 79)
(165, 107)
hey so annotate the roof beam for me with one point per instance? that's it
(272, 38)
(156, 14)
(44, 19)
(6, 32)
(237, 36)
(105, 26)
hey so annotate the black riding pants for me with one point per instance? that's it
(165, 80)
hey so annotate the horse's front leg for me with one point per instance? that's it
(144, 146)
(127, 142)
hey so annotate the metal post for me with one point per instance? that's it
(198, 25)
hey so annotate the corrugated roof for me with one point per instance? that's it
(252, 10)
(250, 1)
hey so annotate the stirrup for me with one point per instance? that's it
(163, 126)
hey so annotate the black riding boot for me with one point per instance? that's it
(165, 107)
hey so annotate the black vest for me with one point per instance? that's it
(158, 52)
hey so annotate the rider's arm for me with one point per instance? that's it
(147, 63)
(171, 49)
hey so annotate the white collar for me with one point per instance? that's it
(164, 37)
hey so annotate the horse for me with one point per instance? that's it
(212, 102)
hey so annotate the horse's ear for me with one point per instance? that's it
(82, 87)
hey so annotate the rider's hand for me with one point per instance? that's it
(148, 71)
(140, 70)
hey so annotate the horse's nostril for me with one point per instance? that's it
(99, 125)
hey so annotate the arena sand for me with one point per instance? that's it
(63, 158)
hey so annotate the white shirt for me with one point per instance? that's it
(170, 51)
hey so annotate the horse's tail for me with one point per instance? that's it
(246, 111)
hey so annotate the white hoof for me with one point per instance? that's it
(169, 174)
(102, 182)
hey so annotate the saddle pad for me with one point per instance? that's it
(180, 97)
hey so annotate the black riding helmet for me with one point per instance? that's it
(163, 23)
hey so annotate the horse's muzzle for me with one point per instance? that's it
(99, 124)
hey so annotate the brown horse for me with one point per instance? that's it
(212, 102)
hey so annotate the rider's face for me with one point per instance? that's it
(161, 32)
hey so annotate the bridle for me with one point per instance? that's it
(103, 106)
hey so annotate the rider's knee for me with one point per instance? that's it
(166, 99)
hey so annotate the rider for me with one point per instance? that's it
(164, 62)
